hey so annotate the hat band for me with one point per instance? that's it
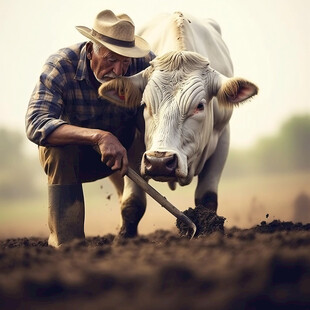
(113, 41)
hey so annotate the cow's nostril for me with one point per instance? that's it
(172, 163)
(147, 162)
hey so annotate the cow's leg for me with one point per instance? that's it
(132, 208)
(133, 201)
(118, 183)
(208, 179)
(132, 197)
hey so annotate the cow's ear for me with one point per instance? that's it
(126, 91)
(236, 90)
(122, 92)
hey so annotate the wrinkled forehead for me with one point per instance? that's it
(176, 79)
(105, 52)
(175, 83)
(167, 87)
(176, 69)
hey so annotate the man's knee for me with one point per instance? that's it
(60, 163)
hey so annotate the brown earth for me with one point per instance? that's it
(206, 221)
(265, 267)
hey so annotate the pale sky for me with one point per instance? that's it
(268, 42)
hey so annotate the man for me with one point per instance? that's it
(81, 137)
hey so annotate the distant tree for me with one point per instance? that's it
(18, 173)
(289, 150)
(10, 146)
(295, 139)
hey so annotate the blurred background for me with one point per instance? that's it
(267, 174)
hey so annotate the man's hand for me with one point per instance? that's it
(113, 154)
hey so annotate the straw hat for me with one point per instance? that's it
(117, 33)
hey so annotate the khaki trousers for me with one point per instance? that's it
(72, 164)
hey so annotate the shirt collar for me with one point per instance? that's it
(82, 71)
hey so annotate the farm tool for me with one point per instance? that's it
(162, 201)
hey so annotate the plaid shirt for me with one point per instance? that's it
(65, 94)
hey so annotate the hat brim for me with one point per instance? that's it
(141, 48)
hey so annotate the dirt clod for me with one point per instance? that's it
(277, 225)
(206, 221)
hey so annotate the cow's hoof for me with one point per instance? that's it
(124, 236)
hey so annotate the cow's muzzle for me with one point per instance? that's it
(160, 166)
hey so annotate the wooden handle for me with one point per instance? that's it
(160, 199)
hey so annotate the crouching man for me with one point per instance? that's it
(83, 138)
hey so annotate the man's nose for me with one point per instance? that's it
(118, 68)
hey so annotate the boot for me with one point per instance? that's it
(66, 213)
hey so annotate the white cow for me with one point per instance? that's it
(188, 95)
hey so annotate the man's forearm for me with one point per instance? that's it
(69, 134)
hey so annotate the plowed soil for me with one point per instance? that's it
(265, 267)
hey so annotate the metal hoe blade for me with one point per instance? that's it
(162, 200)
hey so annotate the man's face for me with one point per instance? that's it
(107, 65)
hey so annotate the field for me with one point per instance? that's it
(261, 261)
(266, 267)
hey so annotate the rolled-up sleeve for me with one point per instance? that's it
(46, 106)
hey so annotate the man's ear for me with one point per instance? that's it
(89, 49)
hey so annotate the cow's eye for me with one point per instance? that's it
(200, 106)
